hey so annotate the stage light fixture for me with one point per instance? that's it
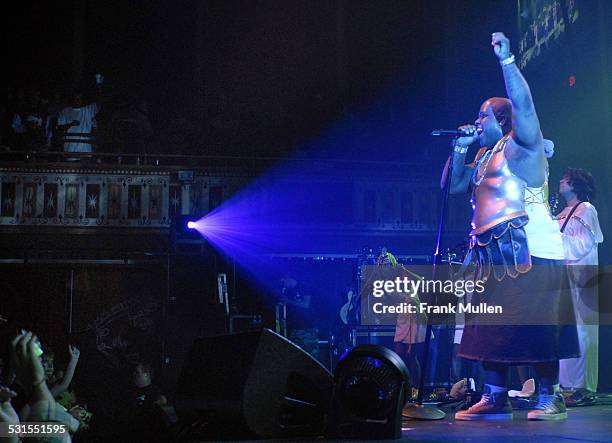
(370, 388)
(185, 231)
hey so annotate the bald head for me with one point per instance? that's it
(494, 120)
(502, 109)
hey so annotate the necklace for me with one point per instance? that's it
(487, 156)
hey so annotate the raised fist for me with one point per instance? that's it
(501, 45)
(74, 351)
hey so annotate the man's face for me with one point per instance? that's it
(48, 366)
(565, 186)
(77, 100)
(141, 377)
(488, 128)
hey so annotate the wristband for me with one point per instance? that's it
(508, 61)
(460, 149)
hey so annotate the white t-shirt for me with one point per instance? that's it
(82, 132)
(543, 235)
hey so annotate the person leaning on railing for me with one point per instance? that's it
(77, 123)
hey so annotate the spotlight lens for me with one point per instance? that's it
(191, 225)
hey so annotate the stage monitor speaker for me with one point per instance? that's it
(253, 384)
(370, 388)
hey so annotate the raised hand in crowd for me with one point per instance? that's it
(8, 415)
(74, 352)
(58, 389)
(25, 353)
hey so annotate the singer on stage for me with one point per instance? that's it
(517, 248)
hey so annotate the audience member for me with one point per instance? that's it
(77, 124)
(25, 360)
(143, 417)
(35, 121)
(8, 416)
(145, 392)
(61, 380)
(29, 122)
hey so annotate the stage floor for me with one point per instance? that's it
(584, 424)
(591, 424)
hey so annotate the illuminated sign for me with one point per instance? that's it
(546, 21)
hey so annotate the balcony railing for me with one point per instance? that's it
(111, 190)
(103, 190)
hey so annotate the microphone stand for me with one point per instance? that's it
(417, 410)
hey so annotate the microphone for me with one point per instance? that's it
(452, 133)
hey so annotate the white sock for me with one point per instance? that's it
(496, 389)
(556, 388)
(472, 384)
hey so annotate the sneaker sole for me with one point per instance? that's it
(544, 417)
(520, 394)
(487, 417)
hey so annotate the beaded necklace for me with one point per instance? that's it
(487, 156)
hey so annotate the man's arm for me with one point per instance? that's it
(30, 373)
(525, 123)
(92, 109)
(63, 124)
(65, 384)
(582, 233)
(462, 173)
(68, 125)
(8, 415)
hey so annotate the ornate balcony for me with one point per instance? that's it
(126, 191)
(127, 202)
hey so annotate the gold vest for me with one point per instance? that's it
(498, 195)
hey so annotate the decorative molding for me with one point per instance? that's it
(82, 197)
